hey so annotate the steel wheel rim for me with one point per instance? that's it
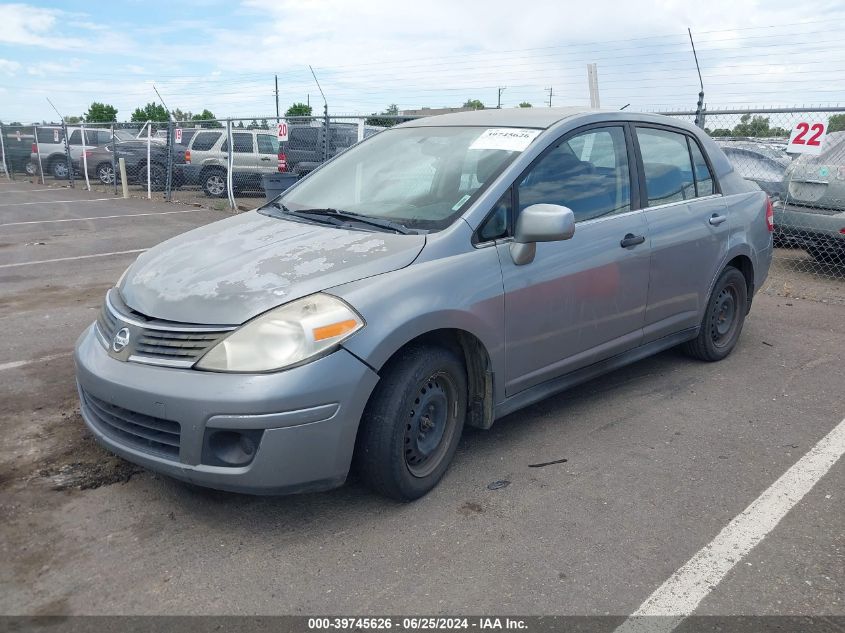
(430, 425)
(724, 319)
(215, 185)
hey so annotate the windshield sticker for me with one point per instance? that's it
(506, 138)
(460, 202)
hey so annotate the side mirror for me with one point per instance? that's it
(540, 223)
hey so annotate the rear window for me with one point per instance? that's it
(49, 135)
(204, 141)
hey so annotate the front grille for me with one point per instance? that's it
(144, 432)
(153, 341)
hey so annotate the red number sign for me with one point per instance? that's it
(282, 131)
(807, 137)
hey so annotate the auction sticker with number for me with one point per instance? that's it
(510, 139)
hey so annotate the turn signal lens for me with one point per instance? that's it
(335, 329)
(770, 215)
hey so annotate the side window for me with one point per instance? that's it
(496, 224)
(667, 166)
(204, 141)
(103, 137)
(703, 177)
(242, 143)
(75, 138)
(587, 173)
(267, 144)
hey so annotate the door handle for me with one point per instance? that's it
(631, 240)
(265, 158)
(717, 219)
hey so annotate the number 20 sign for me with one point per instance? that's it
(807, 137)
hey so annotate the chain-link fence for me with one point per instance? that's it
(236, 163)
(807, 191)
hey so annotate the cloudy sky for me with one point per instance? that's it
(222, 55)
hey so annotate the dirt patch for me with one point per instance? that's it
(471, 507)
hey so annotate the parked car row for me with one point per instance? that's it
(808, 192)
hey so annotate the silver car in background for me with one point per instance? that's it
(442, 273)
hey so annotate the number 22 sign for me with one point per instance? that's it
(807, 137)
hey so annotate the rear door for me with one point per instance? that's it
(581, 300)
(689, 228)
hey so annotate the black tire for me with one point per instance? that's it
(105, 173)
(58, 167)
(723, 318)
(413, 422)
(158, 176)
(214, 183)
(831, 258)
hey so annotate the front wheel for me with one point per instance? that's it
(413, 422)
(723, 318)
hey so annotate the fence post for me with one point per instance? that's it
(229, 165)
(67, 155)
(325, 134)
(170, 147)
(361, 123)
(149, 142)
(113, 160)
(3, 152)
(84, 156)
(38, 153)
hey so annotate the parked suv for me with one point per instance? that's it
(51, 147)
(442, 273)
(254, 154)
(304, 147)
(17, 144)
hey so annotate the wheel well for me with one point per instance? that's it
(744, 265)
(477, 363)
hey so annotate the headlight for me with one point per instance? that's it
(284, 336)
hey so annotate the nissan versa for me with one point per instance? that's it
(442, 273)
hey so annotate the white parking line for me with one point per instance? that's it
(43, 359)
(101, 217)
(25, 190)
(681, 594)
(67, 259)
(21, 204)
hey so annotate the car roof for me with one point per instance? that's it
(504, 117)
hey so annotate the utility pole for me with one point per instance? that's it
(551, 92)
(593, 84)
(700, 109)
(277, 98)
(499, 100)
(325, 116)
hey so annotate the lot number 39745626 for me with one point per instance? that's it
(807, 137)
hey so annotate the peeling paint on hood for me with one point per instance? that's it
(229, 271)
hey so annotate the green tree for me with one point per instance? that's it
(474, 104)
(100, 113)
(179, 115)
(524, 104)
(264, 124)
(298, 109)
(391, 110)
(836, 123)
(207, 119)
(150, 112)
(73, 120)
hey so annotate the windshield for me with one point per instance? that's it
(420, 177)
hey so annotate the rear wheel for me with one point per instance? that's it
(413, 422)
(59, 169)
(105, 173)
(214, 184)
(723, 318)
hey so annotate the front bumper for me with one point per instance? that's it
(307, 417)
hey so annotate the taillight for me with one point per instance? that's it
(88, 153)
(187, 156)
(283, 162)
(842, 230)
(34, 148)
(770, 215)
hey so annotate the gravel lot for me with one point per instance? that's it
(660, 457)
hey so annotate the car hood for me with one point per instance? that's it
(229, 271)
